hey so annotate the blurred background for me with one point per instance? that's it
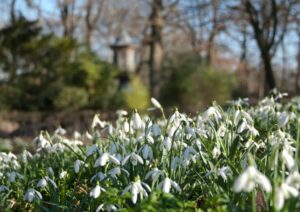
(62, 61)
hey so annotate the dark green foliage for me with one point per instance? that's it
(40, 68)
(193, 85)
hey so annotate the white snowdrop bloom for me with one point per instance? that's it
(122, 113)
(137, 122)
(105, 158)
(150, 139)
(111, 207)
(99, 208)
(147, 152)
(212, 111)
(294, 179)
(154, 174)
(97, 122)
(243, 126)
(15, 164)
(216, 152)
(222, 131)
(100, 176)
(96, 191)
(190, 132)
(60, 131)
(134, 159)
(13, 175)
(249, 178)
(91, 150)
(88, 136)
(117, 171)
(58, 147)
(288, 158)
(63, 174)
(284, 191)
(224, 172)
(188, 151)
(77, 135)
(175, 162)
(51, 181)
(50, 171)
(156, 103)
(155, 129)
(175, 119)
(253, 131)
(42, 142)
(126, 126)
(136, 189)
(167, 184)
(42, 183)
(77, 165)
(32, 194)
(167, 144)
(3, 188)
(25, 156)
(282, 119)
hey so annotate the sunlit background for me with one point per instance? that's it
(62, 61)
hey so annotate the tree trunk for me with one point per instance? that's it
(297, 87)
(156, 47)
(213, 33)
(269, 76)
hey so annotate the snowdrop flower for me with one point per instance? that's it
(167, 144)
(284, 191)
(137, 122)
(175, 162)
(136, 189)
(242, 126)
(224, 172)
(156, 103)
(88, 136)
(288, 158)
(76, 135)
(13, 175)
(25, 156)
(60, 131)
(91, 150)
(155, 129)
(42, 183)
(3, 188)
(111, 207)
(96, 191)
(166, 185)
(77, 165)
(42, 142)
(283, 119)
(63, 174)
(147, 152)
(99, 208)
(216, 152)
(122, 113)
(50, 171)
(96, 122)
(100, 175)
(104, 159)
(153, 174)
(134, 159)
(247, 180)
(212, 111)
(32, 194)
(117, 171)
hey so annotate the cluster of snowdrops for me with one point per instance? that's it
(239, 158)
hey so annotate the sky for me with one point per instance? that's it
(291, 40)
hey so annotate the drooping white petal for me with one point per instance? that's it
(95, 192)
